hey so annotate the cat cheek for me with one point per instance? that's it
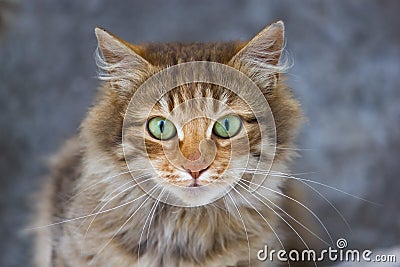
(170, 178)
(223, 157)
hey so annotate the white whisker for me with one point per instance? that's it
(152, 212)
(330, 203)
(86, 216)
(151, 219)
(244, 225)
(98, 182)
(301, 204)
(227, 211)
(283, 219)
(291, 217)
(104, 180)
(111, 199)
(266, 221)
(294, 149)
(123, 225)
(288, 176)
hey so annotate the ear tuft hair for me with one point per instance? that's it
(261, 58)
(118, 63)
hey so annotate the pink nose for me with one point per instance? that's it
(195, 165)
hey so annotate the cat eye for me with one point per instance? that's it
(161, 128)
(228, 126)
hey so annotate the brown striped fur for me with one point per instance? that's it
(216, 234)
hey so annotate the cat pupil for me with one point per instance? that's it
(161, 124)
(226, 124)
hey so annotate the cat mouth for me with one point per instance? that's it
(195, 175)
(194, 184)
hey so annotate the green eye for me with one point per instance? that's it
(228, 126)
(161, 128)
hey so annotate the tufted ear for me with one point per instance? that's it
(260, 57)
(119, 61)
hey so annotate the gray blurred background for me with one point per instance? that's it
(346, 74)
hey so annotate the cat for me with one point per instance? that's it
(218, 213)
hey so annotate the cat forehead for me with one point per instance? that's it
(167, 54)
(199, 100)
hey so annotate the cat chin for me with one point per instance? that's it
(199, 196)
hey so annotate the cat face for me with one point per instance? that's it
(198, 138)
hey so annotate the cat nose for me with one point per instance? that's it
(198, 159)
(195, 165)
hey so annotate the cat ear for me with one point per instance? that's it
(260, 57)
(118, 61)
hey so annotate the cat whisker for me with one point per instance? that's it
(291, 217)
(301, 204)
(244, 226)
(289, 176)
(218, 207)
(150, 215)
(154, 188)
(106, 179)
(151, 219)
(293, 149)
(330, 204)
(286, 213)
(164, 202)
(316, 191)
(107, 198)
(271, 173)
(305, 182)
(93, 185)
(277, 214)
(88, 215)
(228, 212)
(108, 201)
(262, 216)
(266, 172)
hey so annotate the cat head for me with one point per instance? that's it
(194, 139)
